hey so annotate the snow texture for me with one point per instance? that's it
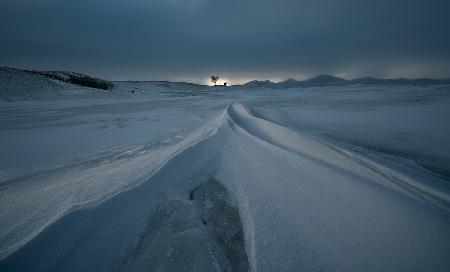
(180, 177)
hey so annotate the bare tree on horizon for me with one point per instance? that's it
(214, 79)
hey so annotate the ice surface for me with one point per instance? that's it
(203, 233)
(347, 178)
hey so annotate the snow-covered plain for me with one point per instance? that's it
(344, 178)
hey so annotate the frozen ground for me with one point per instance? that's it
(344, 178)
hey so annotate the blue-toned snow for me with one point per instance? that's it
(350, 178)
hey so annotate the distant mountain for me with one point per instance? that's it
(366, 80)
(325, 79)
(329, 80)
(320, 80)
(258, 83)
(288, 83)
(399, 81)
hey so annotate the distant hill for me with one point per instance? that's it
(329, 80)
(7, 73)
(77, 79)
(15, 83)
(26, 84)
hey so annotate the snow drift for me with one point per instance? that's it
(304, 203)
(175, 176)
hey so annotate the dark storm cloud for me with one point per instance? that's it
(173, 39)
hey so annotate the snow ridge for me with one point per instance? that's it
(304, 204)
(309, 205)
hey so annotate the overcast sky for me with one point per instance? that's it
(237, 39)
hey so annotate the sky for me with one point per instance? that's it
(239, 40)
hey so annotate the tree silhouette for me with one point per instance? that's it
(214, 79)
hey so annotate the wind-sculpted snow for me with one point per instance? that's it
(306, 202)
(36, 201)
(332, 156)
(309, 206)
